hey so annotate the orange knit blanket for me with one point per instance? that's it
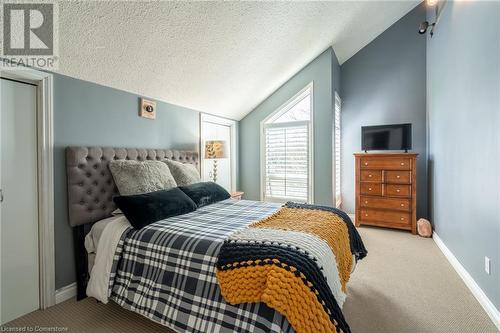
(285, 277)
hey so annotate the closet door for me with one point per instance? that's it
(19, 271)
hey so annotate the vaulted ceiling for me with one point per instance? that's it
(217, 57)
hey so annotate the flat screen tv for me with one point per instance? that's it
(386, 137)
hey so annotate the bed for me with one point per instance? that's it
(178, 271)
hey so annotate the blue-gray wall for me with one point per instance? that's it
(385, 83)
(90, 114)
(323, 72)
(463, 90)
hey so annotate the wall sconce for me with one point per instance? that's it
(426, 26)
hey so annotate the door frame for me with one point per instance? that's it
(45, 176)
(217, 120)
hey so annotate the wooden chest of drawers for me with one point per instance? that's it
(386, 187)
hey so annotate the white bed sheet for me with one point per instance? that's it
(101, 242)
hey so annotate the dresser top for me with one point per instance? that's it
(386, 154)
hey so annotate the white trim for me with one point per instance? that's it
(307, 90)
(205, 117)
(45, 142)
(288, 124)
(478, 293)
(65, 293)
(276, 114)
(337, 201)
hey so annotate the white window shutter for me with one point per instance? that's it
(338, 153)
(287, 161)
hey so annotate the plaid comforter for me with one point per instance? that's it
(166, 272)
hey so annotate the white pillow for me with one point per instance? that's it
(184, 174)
(134, 177)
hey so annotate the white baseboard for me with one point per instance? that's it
(478, 293)
(65, 293)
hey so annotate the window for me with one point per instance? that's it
(286, 151)
(338, 153)
(213, 128)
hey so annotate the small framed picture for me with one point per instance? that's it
(148, 109)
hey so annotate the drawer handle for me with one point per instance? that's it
(398, 190)
(366, 202)
(366, 163)
(398, 176)
(369, 188)
(366, 214)
(402, 205)
(402, 163)
(369, 176)
(402, 219)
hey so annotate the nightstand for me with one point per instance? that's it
(237, 195)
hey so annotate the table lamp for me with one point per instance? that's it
(214, 150)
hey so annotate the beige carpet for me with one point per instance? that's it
(404, 285)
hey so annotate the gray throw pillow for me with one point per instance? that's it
(134, 177)
(184, 174)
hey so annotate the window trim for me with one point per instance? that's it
(338, 199)
(291, 102)
(209, 118)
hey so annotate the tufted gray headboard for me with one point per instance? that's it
(90, 184)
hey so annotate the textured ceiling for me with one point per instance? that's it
(222, 58)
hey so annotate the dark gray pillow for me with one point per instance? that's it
(205, 193)
(144, 209)
(134, 177)
(184, 174)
